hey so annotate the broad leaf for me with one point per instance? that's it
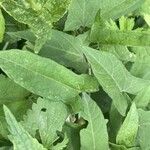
(47, 117)
(66, 50)
(20, 138)
(2, 26)
(142, 99)
(128, 131)
(39, 15)
(80, 10)
(117, 8)
(10, 91)
(94, 136)
(113, 77)
(43, 76)
(141, 67)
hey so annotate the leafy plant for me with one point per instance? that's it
(74, 74)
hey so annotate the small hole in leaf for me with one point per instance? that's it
(43, 109)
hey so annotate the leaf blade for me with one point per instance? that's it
(95, 135)
(49, 75)
(19, 135)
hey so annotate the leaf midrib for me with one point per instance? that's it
(44, 76)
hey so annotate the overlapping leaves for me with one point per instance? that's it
(38, 15)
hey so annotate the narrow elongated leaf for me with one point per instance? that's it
(14, 97)
(19, 137)
(38, 15)
(95, 135)
(2, 26)
(115, 122)
(113, 77)
(47, 117)
(43, 76)
(80, 10)
(128, 131)
(63, 48)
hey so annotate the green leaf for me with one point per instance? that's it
(145, 7)
(44, 77)
(118, 8)
(72, 131)
(10, 91)
(141, 67)
(20, 138)
(66, 50)
(121, 52)
(114, 78)
(14, 97)
(124, 38)
(62, 48)
(121, 147)
(95, 135)
(80, 10)
(47, 117)
(38, 15)
(2, 26)
(62, 145)
(115, 122)
(128, 131)
(6, 148)
(117, 147)
(144, 128)
(142, 99)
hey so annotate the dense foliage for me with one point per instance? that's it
(75, 74)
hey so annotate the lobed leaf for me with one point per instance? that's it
(95, 135)
(47, 117)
